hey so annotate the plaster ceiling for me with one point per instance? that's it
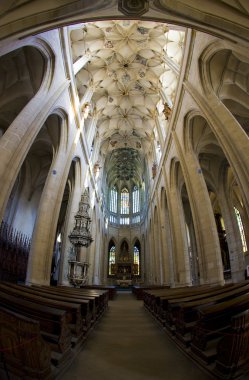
(130, 64)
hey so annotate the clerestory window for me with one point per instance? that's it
(125, 204)
(135, 200)
(114, 200)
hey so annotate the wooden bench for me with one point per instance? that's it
(139, 290)
(96, 303)
(182, 311)
(53, 324)
(62, 315)
(24, 353)
(111, 289)
(73, 310)
(101, 296)
(186, 313)
(206, 323)
(157, 301)
(150, 296)
(232, 350)
(213, 322)
(84, 316)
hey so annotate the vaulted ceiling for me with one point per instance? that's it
(132, 70)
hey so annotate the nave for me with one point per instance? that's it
(129, 344)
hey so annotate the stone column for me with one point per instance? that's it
(166, 242)
(92, 130)
(150, 265)
(210, 262)
(157, 249)
(230, 135)
(96, 149)
(17, 140)
(81, 62)
(165, 98)
(87, 96)
(171, 64)
(39, 265)
(179, 242)
(159, 131)
(73, 206)
(237, 260)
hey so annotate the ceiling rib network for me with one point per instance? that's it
(130, 63)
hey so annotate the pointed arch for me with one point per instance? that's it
(124, 249)
(124, 201)
(137, 257)
(111, 257)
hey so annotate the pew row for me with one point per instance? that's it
(28, 355)
(65, 316)
(200, 321)
(112, 291)
(98, 299)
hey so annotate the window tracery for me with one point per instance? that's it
(241, 229)
(112, 258)
(125, 206)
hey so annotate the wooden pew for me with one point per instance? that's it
(151, 295)
(112, 291)
(53, 323)
(232, 350)
(73, 310)
(93, 301)
(206, 324)
(186, 313)
(24, 353)
(101, 296)
(96, 300)
(85, 306)
(182, 311)
(213, 322)
(59, 313)
(157, 301)
(139, 290)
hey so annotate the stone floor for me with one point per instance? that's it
(128, 344)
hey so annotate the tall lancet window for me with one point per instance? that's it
(135, 200)
(114, 200)
(136, 258)
(241, 229)
(125, 205)
(112, 258)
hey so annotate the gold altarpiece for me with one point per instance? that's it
(124, 270)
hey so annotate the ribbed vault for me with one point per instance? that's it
(131, 72)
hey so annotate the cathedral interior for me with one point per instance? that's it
(124, 140)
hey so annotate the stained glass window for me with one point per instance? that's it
(125, 207)
(241, 229)
(113, 200)
(113, 219)
(124, 220)
(135, 200)
(136, 259)
(136, 219)
(112, 259)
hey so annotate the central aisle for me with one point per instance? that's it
(127, 344)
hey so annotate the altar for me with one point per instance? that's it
(124, 283)
(124, 271)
